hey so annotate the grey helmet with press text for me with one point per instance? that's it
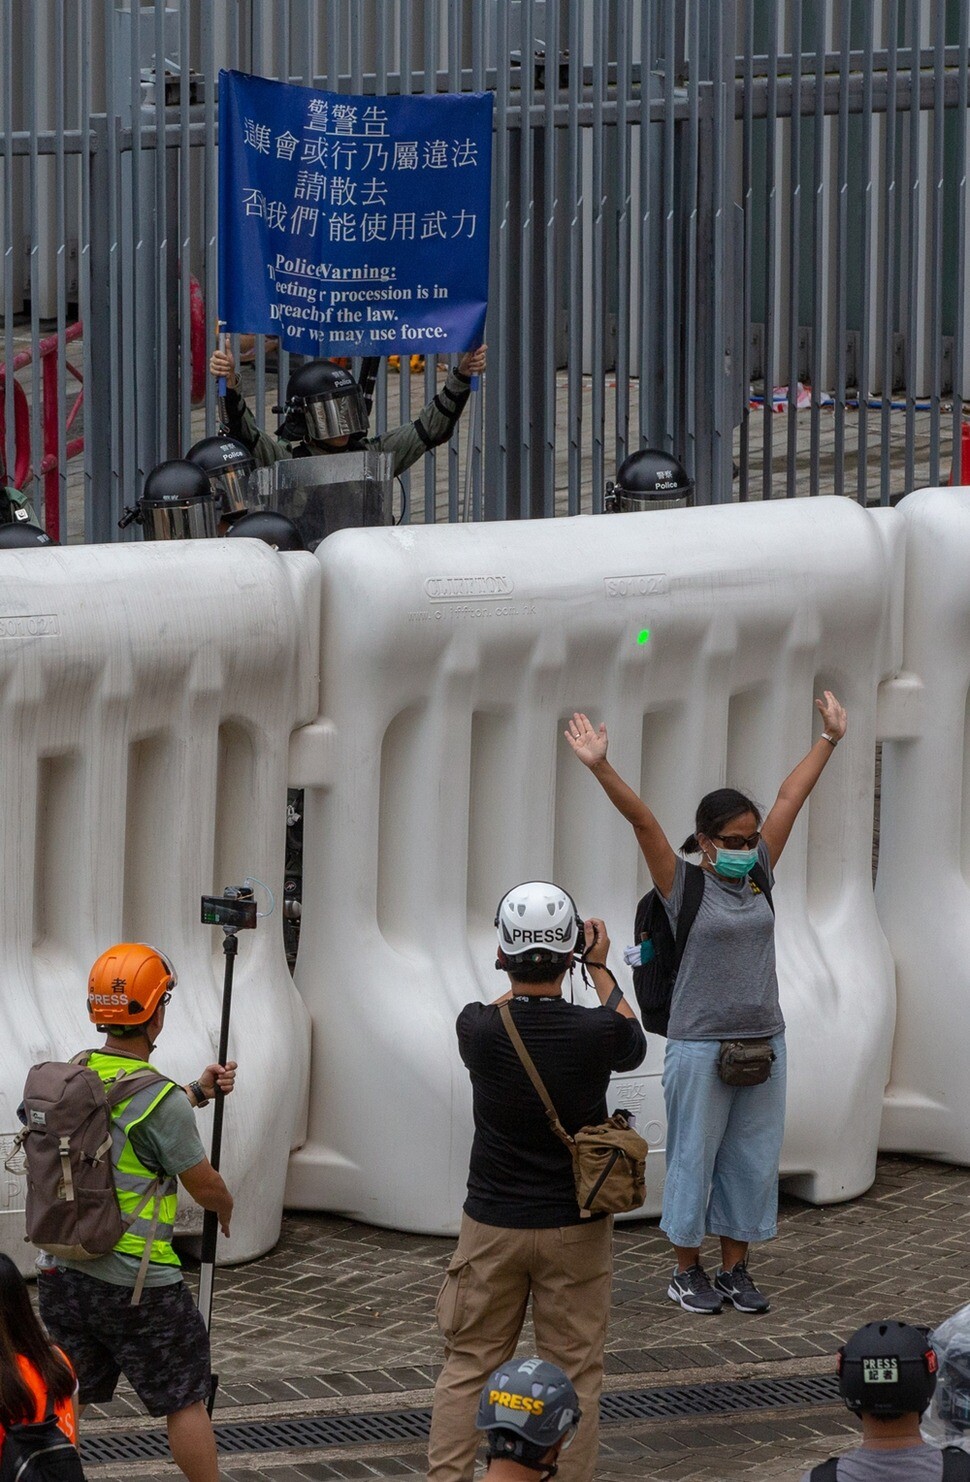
(526, 1408)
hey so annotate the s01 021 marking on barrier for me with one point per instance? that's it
(30, 625)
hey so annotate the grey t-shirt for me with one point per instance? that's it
(910, 1464)
(727, 987)
(167, 1141)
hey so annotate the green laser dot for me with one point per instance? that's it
(643, 636)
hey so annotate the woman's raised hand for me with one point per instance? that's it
(833, 715)
(589, 745)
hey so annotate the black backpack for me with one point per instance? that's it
(653, 979)
(39, 1453)
(956, 1467)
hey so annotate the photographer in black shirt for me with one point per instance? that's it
(521, 1232)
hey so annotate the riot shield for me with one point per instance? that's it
(336, 491)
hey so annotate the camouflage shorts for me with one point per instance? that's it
(161, 1346)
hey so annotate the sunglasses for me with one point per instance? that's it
(166, 997)
(738, 841)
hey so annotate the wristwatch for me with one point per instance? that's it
(832, 740)
(201, 1099)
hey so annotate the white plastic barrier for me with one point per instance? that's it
(438, 777)
(147, 693)
(923, 885)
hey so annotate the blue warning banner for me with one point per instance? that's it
(353, 225)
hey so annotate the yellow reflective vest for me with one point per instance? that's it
(151, 1197)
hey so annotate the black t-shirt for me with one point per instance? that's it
(521, 1174)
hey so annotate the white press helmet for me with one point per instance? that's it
(538, 918)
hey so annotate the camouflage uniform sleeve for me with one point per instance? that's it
(240, 423)
(432, 426)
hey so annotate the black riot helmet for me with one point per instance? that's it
(228, 464)
(23, 536)
(275, 529)
(323, 401)
(649, 480)
(887, 1369)
(176, 503)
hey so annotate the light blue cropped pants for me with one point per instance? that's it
(723, 1147)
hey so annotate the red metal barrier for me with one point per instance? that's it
(197, 326)
(960, 472)
(21, 431)
(49, 468)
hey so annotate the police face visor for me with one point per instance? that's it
(192, 518)
(344, 415)
(229, 488)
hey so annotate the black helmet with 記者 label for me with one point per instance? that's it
(527, 1407)
(887, 1369)
(649, 479)
(177, 503)
(323, 402)
(227, 463)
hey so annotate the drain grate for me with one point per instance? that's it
(676, 1402)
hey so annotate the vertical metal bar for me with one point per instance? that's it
(210, 192)
(623, 134)
(454, 52)
(84, 48)
(525, 250)
(496, 491)
(184, 157)
(476, 443)
(430, 85)
(163, 228)
(771, 234)
(549, 276)
(794, 248)
(842, 244)
(936, 240)
(889, 247)
(747, 197)
(866, 350)
(384, 32)
(598, 284)
(960, 317)
(404, 361)
(817, 278)
(647, 368)
(30, 113)
(9, 169)
(574, 390)
(60, 233)
(282, 44)
(693, 393)
(259, 364)
(670, 315)
(915, 252)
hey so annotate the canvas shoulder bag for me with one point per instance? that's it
(609, 1159)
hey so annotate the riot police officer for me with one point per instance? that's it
(324, 412)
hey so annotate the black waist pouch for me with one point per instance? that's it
(745, 1062)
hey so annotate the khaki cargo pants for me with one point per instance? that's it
(481, 1308)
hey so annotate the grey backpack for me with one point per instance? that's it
(72, 1210)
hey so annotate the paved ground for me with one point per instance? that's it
(339, 1319)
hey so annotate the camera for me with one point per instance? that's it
(234, 910)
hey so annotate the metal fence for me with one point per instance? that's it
(693, 204)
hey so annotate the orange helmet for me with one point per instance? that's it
(127, 983)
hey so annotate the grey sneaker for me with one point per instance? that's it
(692, 1289)
(736, 1285)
